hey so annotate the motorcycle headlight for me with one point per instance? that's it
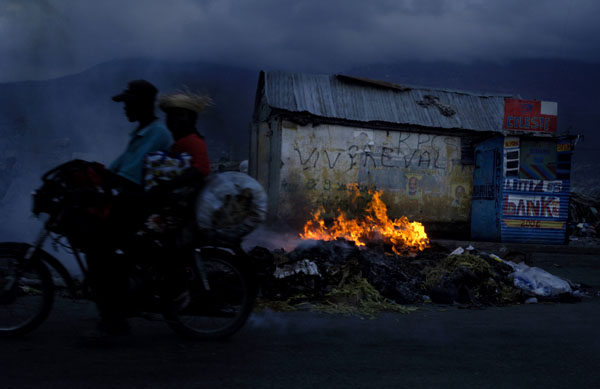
(41, 202)
(35, 203)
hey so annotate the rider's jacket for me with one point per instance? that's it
(130, 164)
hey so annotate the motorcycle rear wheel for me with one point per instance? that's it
(220, 311)
(26, 292)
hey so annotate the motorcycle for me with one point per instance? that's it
(76, 199)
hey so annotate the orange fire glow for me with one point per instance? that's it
(403, 235)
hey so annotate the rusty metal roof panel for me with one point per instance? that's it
(360, 99)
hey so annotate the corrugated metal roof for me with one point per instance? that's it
(360, 99)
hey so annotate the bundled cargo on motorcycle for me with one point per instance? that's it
(82, 201)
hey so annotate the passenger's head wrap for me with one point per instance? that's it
(186, 100)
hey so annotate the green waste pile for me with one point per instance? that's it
(471, 279)
(356, 297)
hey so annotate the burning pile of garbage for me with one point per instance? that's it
(401, 235)
(363, 266)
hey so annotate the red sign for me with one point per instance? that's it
(530, 115)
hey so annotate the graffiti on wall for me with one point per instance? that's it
(421, 173)
(409, 150)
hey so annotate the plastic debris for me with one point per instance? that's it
(538, 282)
(585, 229)
(458, 251)
(498, 259)
(305, 266)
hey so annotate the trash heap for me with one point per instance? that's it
(339, 277)
(584, 217)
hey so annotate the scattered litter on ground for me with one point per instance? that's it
(584, 209)
(304, 266)
(585, 229)
(584, 220)
(457, 251)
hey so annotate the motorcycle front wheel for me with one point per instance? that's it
(221, 298)
(26, 291)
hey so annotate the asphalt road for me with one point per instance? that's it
(533, 346)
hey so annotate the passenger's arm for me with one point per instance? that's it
(189, 177)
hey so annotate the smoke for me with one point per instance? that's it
(275, 322)
(43, 39)
(273, 238)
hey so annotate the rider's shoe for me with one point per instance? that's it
(114, 327)
(107, 332)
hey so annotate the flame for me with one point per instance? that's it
(403, 235)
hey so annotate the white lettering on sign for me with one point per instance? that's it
(537, 206)
(532, 185)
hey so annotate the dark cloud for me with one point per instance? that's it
(44, 38)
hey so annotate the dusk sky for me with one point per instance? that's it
(48, 38)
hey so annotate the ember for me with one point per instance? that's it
(403, 236)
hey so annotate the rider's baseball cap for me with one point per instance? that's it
(137, 90)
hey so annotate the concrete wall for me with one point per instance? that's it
(420, 174)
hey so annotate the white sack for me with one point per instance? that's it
(230, 206)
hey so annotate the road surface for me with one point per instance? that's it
(533, 346)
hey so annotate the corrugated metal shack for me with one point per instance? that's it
(312, 135)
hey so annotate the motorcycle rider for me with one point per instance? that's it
(108, 271)
(150, 134)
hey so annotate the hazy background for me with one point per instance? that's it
(62, 60)
(49, 38)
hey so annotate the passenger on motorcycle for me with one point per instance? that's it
(175, 176)
(182, 111)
